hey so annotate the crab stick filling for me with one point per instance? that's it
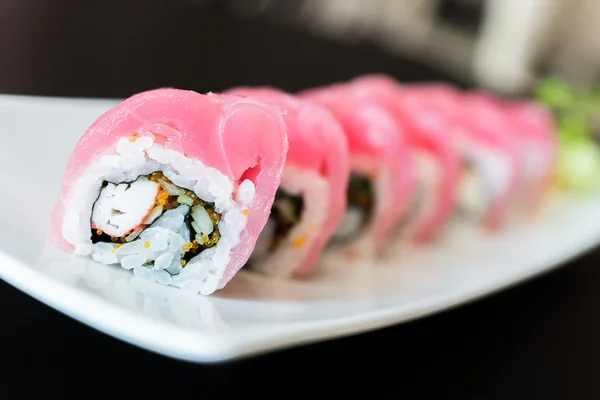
(122, 212)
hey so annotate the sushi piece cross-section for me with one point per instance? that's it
(173, 185)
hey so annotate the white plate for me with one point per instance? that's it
(252, 314)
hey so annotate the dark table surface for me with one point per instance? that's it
(536, 340)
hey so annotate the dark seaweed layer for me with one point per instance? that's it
(284, 224)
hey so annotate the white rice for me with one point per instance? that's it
(161, 243)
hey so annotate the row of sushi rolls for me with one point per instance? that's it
(185, 189)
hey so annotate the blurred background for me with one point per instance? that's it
(114, 48)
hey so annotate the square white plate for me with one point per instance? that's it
(252, 314)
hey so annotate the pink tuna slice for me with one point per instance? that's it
(242, 138)
(373, 134)
(475, 116)
(316, 142)
(426, 131)
(535, 124)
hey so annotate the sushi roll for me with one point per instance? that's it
(535, 129)
(489, 159)
(493, 122)
(311, 199)
(174, 185)
(438, 168)
(435, 160)
(377, 188)
(368, 88)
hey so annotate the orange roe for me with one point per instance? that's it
(299, 242)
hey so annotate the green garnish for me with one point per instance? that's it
(577, 115)
(578, 167)
(555, 94)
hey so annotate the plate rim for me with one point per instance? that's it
(201, 347)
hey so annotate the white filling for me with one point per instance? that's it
(161, 243)
(120, 208)
(488, 179)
